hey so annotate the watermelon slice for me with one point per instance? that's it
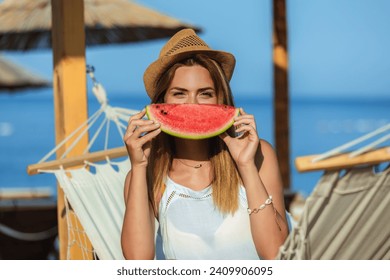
(192, 121)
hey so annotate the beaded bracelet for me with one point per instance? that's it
(261, 207)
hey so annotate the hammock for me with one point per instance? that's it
(94, 193)
(97, 200)
(344, 218)
(347, 215)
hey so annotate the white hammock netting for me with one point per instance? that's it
(97, 200)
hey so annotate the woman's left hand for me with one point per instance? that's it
(243, 148)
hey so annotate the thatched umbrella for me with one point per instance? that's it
(13, 77)
(26, 24)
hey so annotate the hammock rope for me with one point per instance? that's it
(28, 236)
(119, 116)
(354, 142)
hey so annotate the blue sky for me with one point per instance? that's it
(337, 48)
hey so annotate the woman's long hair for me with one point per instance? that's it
(226, 179)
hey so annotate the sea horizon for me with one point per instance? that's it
(317, 124)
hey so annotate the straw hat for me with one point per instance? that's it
(183, 44)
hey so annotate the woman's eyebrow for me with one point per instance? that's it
(184, 89)
(206, 88)
(178, 88)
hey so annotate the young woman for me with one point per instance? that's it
(218, 198)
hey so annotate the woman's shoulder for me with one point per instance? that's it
(266, 146)
(266, 157)
(266, 149)
(265, 152)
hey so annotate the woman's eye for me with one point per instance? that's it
(178, 93)
(207, 93)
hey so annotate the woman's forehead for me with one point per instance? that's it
(194, 76)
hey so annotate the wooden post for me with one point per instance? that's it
(70, 95)
(281, 100)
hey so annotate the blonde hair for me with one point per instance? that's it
(226, 181)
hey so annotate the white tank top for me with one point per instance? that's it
(192, 228)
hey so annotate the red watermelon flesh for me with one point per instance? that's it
(193, 121)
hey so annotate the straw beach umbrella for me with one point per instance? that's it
(13, 77)
(26, 24)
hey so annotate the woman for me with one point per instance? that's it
(218, 198)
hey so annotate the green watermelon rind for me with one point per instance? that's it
(150, 116)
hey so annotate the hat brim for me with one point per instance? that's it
(157, 68)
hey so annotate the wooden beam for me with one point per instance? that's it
(70, 94)
(342, 161)
(25, 193)
(281, 98)
(77, 160)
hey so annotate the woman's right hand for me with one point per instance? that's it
(138, 137)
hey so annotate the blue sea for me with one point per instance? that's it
(316, 126)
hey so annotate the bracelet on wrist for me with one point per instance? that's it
(268, 201)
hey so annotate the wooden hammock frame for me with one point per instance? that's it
(342, 161)
(77, 160)
(337, 158)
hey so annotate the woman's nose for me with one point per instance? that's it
(192, 99)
